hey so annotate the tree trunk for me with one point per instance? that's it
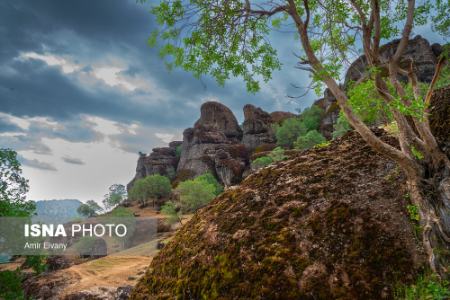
(432, 196)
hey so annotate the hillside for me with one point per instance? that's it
(56, 211)
(328, 223)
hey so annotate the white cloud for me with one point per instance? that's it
(111, 76)
(165, 137)
(51, 60)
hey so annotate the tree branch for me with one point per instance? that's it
(406, 33)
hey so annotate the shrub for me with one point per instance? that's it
(36, 262)
(426, 287)
(342, 126)
(311, 117)
(277, 154)
(309, 140)
(11, 285)
(195, 194)
(210, 179)
(292, 128)
(170, 211)
(288, 132)
(261, 162)
(121, 212)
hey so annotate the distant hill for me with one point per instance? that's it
(57, 211)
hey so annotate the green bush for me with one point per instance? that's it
(11, 285)
(311, 117)
(36, 262)
(261, 162)
(342, 126)
(153, 186)
(277, 154)
(309, 140)
(121, 212)
(195, 194)
(170, 211)
(426, 287)
(289, 131)
(210, 179)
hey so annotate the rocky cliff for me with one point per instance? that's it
(216, 144)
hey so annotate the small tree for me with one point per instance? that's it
(117, 193)
(89, 209)
(309, 140)
(153, 186)
(13, 187)
(195, 194)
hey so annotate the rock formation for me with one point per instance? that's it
(312, 227)
(331, 113)
(161, 161)
(419, 50)
(216, 144)
(213, 145)
(257, 127)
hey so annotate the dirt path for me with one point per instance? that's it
(111, 271)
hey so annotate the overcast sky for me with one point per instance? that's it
(81, 92)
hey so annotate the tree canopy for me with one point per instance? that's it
(13, 187)
(89, 209)
(116, 194)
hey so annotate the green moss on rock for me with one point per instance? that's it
(323, 225)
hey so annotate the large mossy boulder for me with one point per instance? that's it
(329, 223)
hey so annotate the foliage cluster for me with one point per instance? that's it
(89, 209)
(11, 285)
(151, 187)
(275, 155)
(116, 194)
(198, 192)
(13, 187)
(291, 129)
(426, 287)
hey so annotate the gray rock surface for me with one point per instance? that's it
(257, 127)
(216, 132)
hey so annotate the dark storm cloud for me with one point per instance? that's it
(92, 34)
(72, 160)
(37, 164)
